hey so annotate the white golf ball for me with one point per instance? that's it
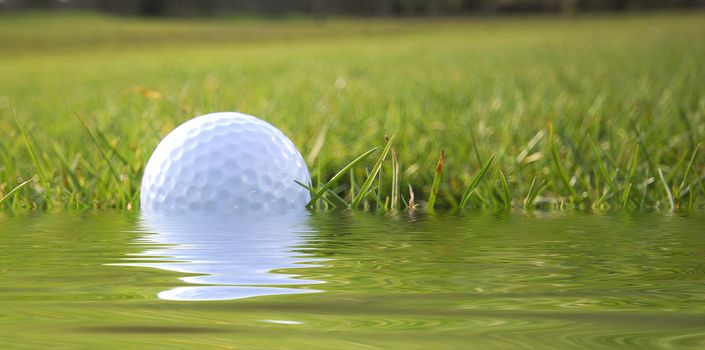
(225, 162)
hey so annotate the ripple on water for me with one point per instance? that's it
(419, 281)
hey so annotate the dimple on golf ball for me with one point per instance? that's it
(225, 162)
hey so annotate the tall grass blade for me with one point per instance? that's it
(529, 146)
(336, 201)
(602, 167)
(475, 181)
(474, 147)
(668, 190)
(12, 191)
(687, 172)
(378, 190)
(436, 180)
(633, 164)
(67, 169)
(625, 195)
(110, 146)
(529, 194)
(100, 148)
(310, 189)
(375, 170)
(561, 171)
(534, 191)
(322, 190)
(506, 195)
(353, 185)
(640, 140)
(32, 153)
(395, 180)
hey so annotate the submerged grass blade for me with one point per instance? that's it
(373, 174)
(436, 180)
(341, 173)
(475, 181)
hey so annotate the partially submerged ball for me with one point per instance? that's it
(225, 162)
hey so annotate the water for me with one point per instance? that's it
(347, 280)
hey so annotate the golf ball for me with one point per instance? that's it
(225, 162)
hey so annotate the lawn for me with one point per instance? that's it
(565, 112)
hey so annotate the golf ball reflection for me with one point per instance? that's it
(228, 258)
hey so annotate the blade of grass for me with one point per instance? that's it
(112, 148)
(529, 146)
(528, 194)
(561, 171)
(630, 175)
(319, 178)
(394, 204)
(534, 191)
(100, 148)
(474, 146)
(640, 140)
(475, 181)
(412, 202)
(12, 191)
(310, 189)
(32, 153)
(378, 190)
(436, 180)
(322, 190)
(375, 170)
(601, 166)
(353, 185)
(336, 201)
(506, 195)
(625, 195)
(668, 190)
(687, 171)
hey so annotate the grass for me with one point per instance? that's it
(540, 112)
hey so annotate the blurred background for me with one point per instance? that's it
(346, 7)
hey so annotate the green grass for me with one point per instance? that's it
(587, 112)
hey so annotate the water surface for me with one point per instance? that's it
(346, 280)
